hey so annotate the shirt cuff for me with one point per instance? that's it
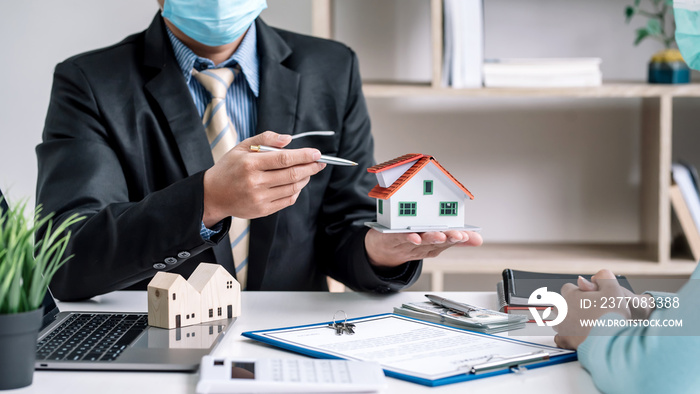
(207, 233)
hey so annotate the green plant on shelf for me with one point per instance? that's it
(26, 267)
(656, 24)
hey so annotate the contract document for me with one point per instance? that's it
(416, 350)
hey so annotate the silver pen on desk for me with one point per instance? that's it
(324, 159)
(449, 304)
(511, 362)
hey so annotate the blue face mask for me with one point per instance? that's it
(687, 15)
(213, 22)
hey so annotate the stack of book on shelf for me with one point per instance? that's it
(463, 43)
(479, 319)
(686, 204)
(542, 73)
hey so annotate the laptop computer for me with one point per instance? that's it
(119, 341)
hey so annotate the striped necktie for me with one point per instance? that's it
(222, 137)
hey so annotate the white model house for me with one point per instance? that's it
(219, 290)
(172, 301)
(211, 293)
(416, 193)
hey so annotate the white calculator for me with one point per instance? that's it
(228, 375)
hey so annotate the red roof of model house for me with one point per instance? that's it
(421, 161)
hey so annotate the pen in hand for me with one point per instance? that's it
(324, 159)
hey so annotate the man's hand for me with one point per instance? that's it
(250, 185)
(391, 250)
(571, 333)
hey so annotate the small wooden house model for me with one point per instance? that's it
(172, 301)
(220, 292)
(415, 193)
(211, 293)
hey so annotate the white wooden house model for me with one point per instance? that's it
(211, 293)
(172, 301)
(415, 193)
(219, 290)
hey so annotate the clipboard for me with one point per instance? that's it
(414, 350)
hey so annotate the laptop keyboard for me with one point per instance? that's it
(91, 337)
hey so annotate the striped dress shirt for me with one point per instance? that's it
(241, 97)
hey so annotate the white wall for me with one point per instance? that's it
(541, 169)
(34, 36)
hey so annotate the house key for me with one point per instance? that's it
(349, 328)
(343, 326)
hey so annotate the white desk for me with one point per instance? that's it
(262, 310)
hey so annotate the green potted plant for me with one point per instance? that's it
(667, 65)
(26, 267)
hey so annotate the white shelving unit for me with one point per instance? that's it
(651, 256)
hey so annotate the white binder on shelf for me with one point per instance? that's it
(463, 48)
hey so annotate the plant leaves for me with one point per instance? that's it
(654, 27)
(13, 294)
(642, 33)
(51, 256)
(26, 265)
(629, 13)
(5, 288)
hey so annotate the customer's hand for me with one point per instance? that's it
(393, 249)
(641, 309)
(603, 296)
(250, 185)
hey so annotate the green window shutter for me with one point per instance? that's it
(448, 208)
(427, 187)
(407, 208)
(380, 206)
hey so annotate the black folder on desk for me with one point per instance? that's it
(417, 351)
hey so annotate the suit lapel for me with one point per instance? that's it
(169, 90)
(279, 88)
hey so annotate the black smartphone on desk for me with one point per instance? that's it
(518, 285)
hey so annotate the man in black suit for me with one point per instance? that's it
(124, 145)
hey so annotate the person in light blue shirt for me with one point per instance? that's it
(646, 343)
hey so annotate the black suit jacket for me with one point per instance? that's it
(124, 145)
